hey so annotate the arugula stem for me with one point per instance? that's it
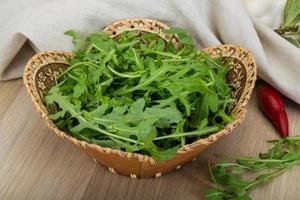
(108, 56)
(82, 137)
(265, 160)
(89, 48)
(123, 75)
(271, 175)
(76, 65)
(212, 195)
(226, 118)
(127, 146)
(198, 133)
(116, 136)
(212, 76)
(294, 138)
(182, 141)
(208, 58)
(163, 53)
(73, 77)
(209, 84)
(138, 62)
(99, 49)
(211, 174)
(176, 60)
(233, 165)
(145, 83)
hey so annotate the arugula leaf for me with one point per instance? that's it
(162, 154)
(214, 102)
(184, 35)
(293, 41)
(290, 28)
(59, 114)
(231, 180)
(77, 41)
(137, 92)
(102, 42)
(291, 14)
(79, 89)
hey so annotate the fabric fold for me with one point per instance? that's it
(212, 22)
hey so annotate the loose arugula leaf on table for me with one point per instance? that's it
(232, 178)
(140, 93)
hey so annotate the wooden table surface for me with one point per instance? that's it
(36, 164)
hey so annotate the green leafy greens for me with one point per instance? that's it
(234, 180)
(140, 93)
(289, 28)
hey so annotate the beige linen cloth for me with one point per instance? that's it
(212, 22)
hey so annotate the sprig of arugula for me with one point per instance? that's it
(140, 93)
(234, 180)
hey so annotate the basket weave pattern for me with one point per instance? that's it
(42, 69)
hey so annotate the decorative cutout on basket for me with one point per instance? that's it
(42, 69)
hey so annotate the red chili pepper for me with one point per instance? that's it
(272, 105)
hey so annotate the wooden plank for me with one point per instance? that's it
(8, 92)
(36, 164)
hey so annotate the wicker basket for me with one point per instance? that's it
(42, 69)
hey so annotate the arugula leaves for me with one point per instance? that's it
(232, 178)
(291, 13)
(290, 29)
(140, 93)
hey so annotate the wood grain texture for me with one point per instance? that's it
(36, 164)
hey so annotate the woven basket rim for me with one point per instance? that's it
(29, 82)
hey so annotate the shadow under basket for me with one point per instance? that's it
(43, 68)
